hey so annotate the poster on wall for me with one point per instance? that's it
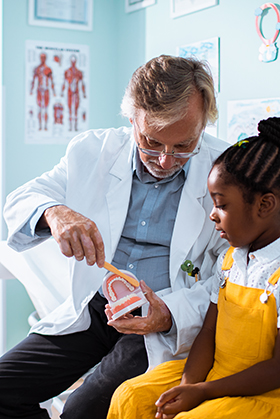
(243, 116)
(56, 91)
(184, 7)
(206, 50)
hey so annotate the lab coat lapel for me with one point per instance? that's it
(191, 215)
(118, 196)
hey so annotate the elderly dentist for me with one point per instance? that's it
(139, 197)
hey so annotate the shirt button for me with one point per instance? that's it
(143, 223)
(131, 266)
(156, 186)
(252, 256)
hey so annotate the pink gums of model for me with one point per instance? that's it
(122, 296)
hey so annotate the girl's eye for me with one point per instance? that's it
(220, 206)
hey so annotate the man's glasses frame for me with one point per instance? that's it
(157, 153)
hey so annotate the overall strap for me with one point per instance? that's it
(228, 262)
(274, 277)
(228, 259)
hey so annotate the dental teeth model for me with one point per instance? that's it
(122, 296)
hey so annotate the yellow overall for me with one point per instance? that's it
(245, 335)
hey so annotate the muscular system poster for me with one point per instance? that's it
(57, 92)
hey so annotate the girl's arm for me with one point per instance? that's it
(258, 379)
(199, 363)
(201, 356)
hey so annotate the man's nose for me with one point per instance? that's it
(166, 162)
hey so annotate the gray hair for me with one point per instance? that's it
(163, 86)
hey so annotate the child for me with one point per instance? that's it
(233, 369)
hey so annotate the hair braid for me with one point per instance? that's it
(254, 163)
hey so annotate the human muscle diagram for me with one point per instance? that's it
(43, 74)
(74, 78)
(56, 92)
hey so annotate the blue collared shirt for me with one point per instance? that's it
(144, 246)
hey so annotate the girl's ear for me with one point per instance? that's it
(267, 204)
(131, 121)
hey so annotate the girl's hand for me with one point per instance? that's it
(179, 399)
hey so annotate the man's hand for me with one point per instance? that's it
(76, 235)
(157, 320)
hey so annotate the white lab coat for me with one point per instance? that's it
(94, 178)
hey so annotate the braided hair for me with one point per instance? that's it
(254, 163)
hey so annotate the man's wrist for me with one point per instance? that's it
(43, 222)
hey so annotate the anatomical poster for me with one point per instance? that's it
(56, 91)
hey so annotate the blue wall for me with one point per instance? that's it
(242, 75)
(118, 44)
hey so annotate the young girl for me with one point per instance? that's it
(233, 369)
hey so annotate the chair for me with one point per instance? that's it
(47, 284)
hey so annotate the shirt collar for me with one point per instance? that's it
(264, 255)
(269, 252)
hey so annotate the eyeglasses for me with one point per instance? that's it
(158, 153)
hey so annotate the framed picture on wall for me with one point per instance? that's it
(63, 14)
(132, 5)
(206, 50)
(184, 7)
(243, 116)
